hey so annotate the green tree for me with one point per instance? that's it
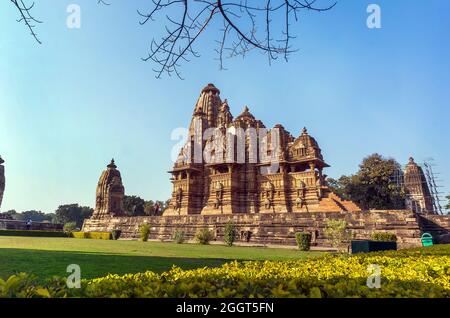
(72, 213)
(372, 187)
(229, 233)
(35, 216)
(133, 205)
(11, 214)
(149, 207)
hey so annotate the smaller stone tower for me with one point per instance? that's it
(2, 180)
(110, 193)
(418, 197)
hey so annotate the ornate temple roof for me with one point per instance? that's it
(245, 115)
(211, 88)
(305, 140)
(112, 165)
(216, 114)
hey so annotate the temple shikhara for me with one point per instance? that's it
(418, 196)
(276, 173)
(110, 193)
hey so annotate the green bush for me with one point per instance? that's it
(144, 231)
(99, 235)
(303, 240)
(229, 233)
(408, 273)
(33, 233)
(92, 235)
(115, 234)
(70, 226)
(79, 235)
(336, 231)
(204, 236)
(178, 236)
(384, 237)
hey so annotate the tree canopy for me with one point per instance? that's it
(372, 187)
(72, 213)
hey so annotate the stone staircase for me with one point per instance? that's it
(333, 203)
(436, 225)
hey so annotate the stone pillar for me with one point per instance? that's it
(2, 180)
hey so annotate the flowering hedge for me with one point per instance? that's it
(408, 273)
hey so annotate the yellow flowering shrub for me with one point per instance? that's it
(423, 272)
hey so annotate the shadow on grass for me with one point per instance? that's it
(45, 264)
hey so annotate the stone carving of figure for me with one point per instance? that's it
(269, 194)
(219, 196)
(178, 199)
(300, 201)
(319, 187)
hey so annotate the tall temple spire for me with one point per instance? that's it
(110, 193)
(418, 196)
(208, 105)
(112, 165)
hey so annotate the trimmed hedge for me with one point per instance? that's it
(33, 233)
(384, 237)
(92, 235)
(420, 272)
(303, 240)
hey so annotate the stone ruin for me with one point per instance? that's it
(2, 180)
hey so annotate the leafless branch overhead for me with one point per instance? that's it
(262, 25)
(26, 17)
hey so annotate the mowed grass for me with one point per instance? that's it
(47, 257)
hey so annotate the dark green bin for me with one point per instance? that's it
(366, 246)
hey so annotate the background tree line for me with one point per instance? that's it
(74, 213)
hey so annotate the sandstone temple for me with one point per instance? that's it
(227, 185)
(268, 182)
(418, 194)
(110, 193)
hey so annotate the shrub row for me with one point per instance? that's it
(384, 237)
(411, 273)
(34, 233)
(92, 235)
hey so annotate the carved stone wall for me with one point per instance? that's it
(273, 228)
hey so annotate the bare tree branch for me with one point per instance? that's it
(26, 17)
(240, 32)
(260, 25)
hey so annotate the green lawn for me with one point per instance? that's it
(46, 257)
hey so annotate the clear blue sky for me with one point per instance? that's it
(83, 96)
